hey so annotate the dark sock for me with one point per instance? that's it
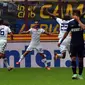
(80, 67)
(74, 67)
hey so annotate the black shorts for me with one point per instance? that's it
(76, 50)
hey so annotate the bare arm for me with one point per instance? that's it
(25, 32)
(52, 15)
(82, 15)
(47, 33)
(81, 24)
(11, 34)
(65, 35)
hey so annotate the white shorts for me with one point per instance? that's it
(38, 48)
(65, 46)
(3, 44)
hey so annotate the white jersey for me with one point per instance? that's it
(4, 30)
(63, 26)
(35, 38)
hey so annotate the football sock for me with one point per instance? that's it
(80, 67)
(21, 58)
(6, 62)
(73, 67)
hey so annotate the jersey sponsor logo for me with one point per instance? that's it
(75, 29)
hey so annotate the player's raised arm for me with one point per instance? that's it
(82, 15)
(80, 23)
(52, 15)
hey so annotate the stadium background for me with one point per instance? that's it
(20, 15)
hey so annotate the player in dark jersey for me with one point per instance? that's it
(76, 45)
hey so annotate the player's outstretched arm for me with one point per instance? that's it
(65, 35)
(52, 15)
(24, 32)
(47, 33)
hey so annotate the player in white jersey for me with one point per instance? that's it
(4, 30)
(65, 46)
(36, 31)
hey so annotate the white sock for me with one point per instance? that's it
(6, 62)
(45, 62)
(21, 58)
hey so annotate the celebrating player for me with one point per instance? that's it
(65, 46)
(36, 31)
(4, 30)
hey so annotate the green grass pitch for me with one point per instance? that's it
(39, 76)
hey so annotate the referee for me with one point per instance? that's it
(76, 45)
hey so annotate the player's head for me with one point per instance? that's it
(36, 24)
(76, 13)
(1, 21)
(66, 17)
(6, 23)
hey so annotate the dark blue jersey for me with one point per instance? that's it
(77, 33)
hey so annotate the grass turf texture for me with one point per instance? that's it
(39, 76)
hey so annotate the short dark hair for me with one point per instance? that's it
(36, 22)
(77, 13)
(67, 17)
